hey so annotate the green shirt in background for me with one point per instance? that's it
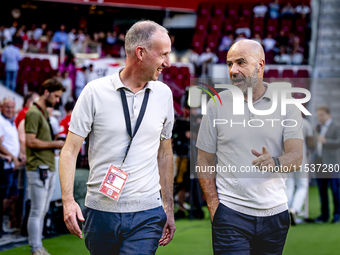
(36, 123)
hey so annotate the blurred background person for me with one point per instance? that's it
(11, 57)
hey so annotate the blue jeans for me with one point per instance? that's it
(236, 233)
(11, 79)
(11, 183)
(135, 233)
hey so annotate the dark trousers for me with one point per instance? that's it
(236, 233)
(323, 184)
(135, 233)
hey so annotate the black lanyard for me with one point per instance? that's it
(127, 117)
(48, 120)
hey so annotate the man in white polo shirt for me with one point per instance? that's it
(248, 209)
(136, 223)
(10, 147)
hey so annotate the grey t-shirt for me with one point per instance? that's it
(252, 193)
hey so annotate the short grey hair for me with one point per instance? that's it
(141, 34)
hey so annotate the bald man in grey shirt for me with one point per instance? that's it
(248, 210)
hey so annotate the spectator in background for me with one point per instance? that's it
(205, 59)
(297, 182)
(20, 36)
(81, 36)
(297, 56)
(327, 150)
(29, 99)
(54, 121)
(71, 36)
(181, 145)
(302, 10)
(39, 32)
(282, 58)
(226, 42)
(282, 38)
(8, 159)
(58, 76)
(269, 43)
(2, 36)
(8, 34)
(91, 74)
(70, 66)
(111, 38)
(67, 83)
(40, 155)
(240, 37)
(65, 122)
(11, 57)
(80, 81)
(60, 37)
(257, 38)
(260, 10)
(288, 11)
(274, 9)
(242, 27)
(11, 147)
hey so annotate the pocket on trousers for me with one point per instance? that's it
(33, 178)
(215, 215)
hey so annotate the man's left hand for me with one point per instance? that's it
(168, 230)
(264, 159)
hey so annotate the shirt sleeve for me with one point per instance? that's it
(293, 124)
(207, 134)
(32, 120)
(83, 113)
(169, 121)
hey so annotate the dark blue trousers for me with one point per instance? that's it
(323, 184)
(134, 233)
(236, 233)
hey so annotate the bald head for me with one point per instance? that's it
(250, 47)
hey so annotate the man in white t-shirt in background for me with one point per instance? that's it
(137, 222)
(248, 210)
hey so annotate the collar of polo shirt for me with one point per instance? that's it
(117, 82)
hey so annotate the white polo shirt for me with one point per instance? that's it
(99, 114)
(11, 139)
(252, 193)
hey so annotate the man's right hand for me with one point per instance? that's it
(59, 144)
(72, 212)
(212, 209)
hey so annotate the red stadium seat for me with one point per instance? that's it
(286, 25)
(204, 9)
(233, 11)
(212, 42)
(287, 73)
(219, 10)
(173, 71)
(247, 10)
(302, 73)
(215, 27)
(184, 70)
(46, 64)
(272, 26)
(272, 73)
(229, 25)
(201, 25)
(222, 57)
(258, 26)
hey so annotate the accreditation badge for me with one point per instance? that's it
(113, 183)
